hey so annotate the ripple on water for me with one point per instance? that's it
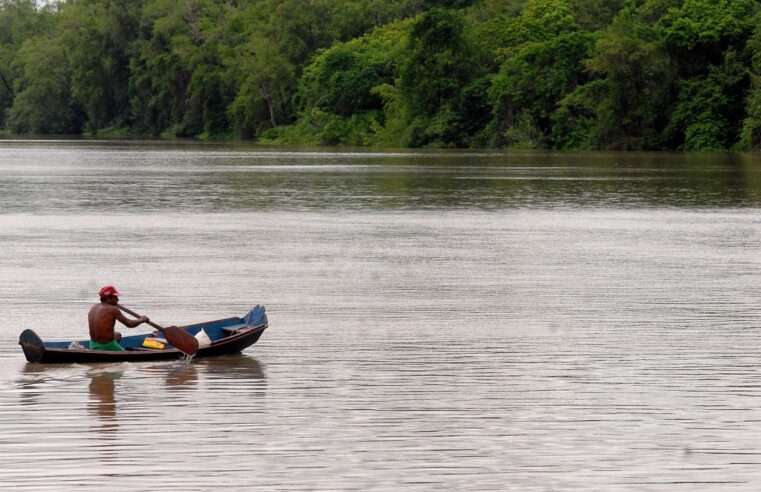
(457, 322)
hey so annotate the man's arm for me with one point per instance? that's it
(129, 323)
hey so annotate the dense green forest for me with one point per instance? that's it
(557, 74)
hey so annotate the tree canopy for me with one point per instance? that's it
(556, 74)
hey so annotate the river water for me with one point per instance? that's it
(438, 320)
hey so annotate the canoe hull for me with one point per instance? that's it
(229, 336)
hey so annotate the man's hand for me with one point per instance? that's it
(143, 319)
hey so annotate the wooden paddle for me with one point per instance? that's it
(178, 338)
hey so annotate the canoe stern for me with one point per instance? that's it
(32, 345)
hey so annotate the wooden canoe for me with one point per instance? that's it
(227, 336)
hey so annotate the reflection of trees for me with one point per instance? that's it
(420, 180)
(498, 180)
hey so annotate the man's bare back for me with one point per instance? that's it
(102, 319)
(103, 316)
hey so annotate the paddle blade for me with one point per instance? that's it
(181, 340)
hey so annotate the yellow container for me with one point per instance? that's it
(154, 344)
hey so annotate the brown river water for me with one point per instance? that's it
(438, 320)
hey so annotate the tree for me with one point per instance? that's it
(20, 20)
(43, 102)
(705, 115)
(437, 65)
(751, 130)
(177, 84)
(593, 15)
(98, 37)
(707, 40)
(634, 88)
(537, 74)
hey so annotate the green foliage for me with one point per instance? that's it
(672, 76)
(751, 131)
(341, 84)
(706, 107)
(703, 24)
(438, 64)
(171, 68)
(622, 74)
(531, 84)
(436, 61)
(279, 40)
(20, 20)
(574, 123)
(593, 15)
(538, 71)
(99, 84)
(44, 102)
(341, 79)
(635, 81)
(538, 20)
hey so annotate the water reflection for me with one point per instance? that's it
(237, 366)
(181, 376)
(102, 405)
(95, 176)
(102, 402)
(110, 384)
(31, 384)
(571, 335)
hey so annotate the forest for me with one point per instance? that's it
(539, 74)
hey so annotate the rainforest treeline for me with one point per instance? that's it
(555, 74)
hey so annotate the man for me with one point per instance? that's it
(102, 319)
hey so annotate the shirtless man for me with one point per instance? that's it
(102, 319)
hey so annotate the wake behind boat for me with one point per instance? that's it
(225, 336)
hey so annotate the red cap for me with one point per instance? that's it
(109, 290)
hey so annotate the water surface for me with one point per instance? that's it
(439, 320)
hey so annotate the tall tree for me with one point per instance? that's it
(707, 40)
(99, 36)
(751, 131)
(540, 68)
(44, 102)
(20, 20)
(632, 95)
(438, 64)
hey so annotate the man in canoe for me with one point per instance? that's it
(102, 319)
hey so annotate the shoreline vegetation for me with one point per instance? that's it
(679, 75)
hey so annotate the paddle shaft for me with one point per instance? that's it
(178, 338)
(134, 314)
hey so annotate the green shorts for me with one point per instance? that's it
(112, 346)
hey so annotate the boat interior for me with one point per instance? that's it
(214, 330)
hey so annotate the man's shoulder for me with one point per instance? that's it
(103, 307)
